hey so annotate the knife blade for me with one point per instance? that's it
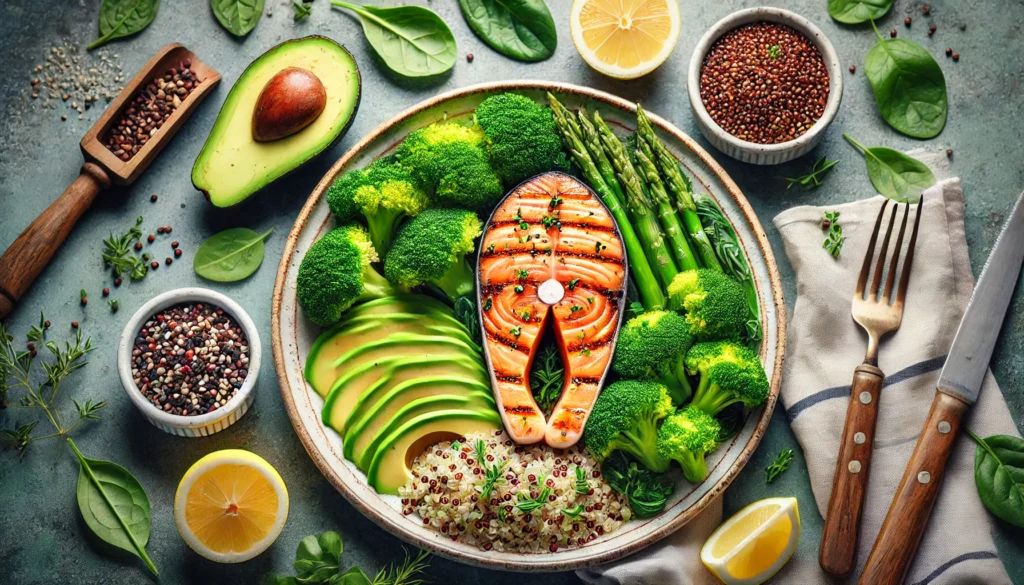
(975, 339)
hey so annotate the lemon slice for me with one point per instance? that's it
(755, 543)
(230, 506)
(625, 39)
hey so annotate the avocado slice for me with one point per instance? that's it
(232, 164)
(390, 467)
(351, 386)
(372, 414)
(418, 304)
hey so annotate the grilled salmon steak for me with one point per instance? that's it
(551, 253)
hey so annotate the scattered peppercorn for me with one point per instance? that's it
(74, 324)
(152, 197)
(151, 238)
(853, 68)
(160, 230)
(46, 325)
(34, 353)
(892, 34)
(138, 245)
(174, 245)
(906, 21)
(117, 282)
(154, 265)
(926, 10)
(30, 346)
(949, 52)
(956, 56)
(469, 57)
(167, 229)
(931, 30)
(106, 292)
(177, 253)
(85, 301)
(825, 224)
(949, 152)
(169, 260)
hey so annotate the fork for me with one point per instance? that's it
(877, 315)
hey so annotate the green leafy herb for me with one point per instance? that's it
(813, 179)
(520, 29)
(591, 300)
(318, 557)
(238, 17)
(405, 573)
(636, 308)
(518, 288)
(572, 284)
(857, 11)
(774, 51)
(302, 10)
(118, 254)
(230, 255)
(550, 220)
(573, 513)
(526, 504)
(599, 246)
(465, 311)
(487, 304)
(835, 239)
(894, 174)
(547, 376)
(527, 316)
(780, 465)
(582, 485)
(522, 275)
(411, 40)
(909, 86)
(573, 309)
(318, 560)
(557, 199)
(114, 505)
(516, 331)
(114, 305)
(493, 475)
(999, 476)
(646, 491)
(585, 353)
(122, 18)
(480, 450)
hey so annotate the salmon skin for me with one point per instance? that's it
(550, 228)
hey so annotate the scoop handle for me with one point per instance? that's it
(32, 251)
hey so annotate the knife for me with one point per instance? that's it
(958, 388)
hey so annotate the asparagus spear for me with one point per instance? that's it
(593, 144)
(666, 213)
(651, 295)
(673, 177)
(639, 207)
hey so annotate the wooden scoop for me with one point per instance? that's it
(32, 251)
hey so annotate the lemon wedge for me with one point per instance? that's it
(625, 39)
(755, 543)
(230, 506)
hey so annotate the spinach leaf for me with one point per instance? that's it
(317, 557)
(411, 40)
(520, 29)
(121, 18)
(465, 312)
(353, 576)
(909, 87)
(647, 491)
(999, 475)
(230, 255)
(238, 17)
(894, 174)
(857, 11)
(114, 505)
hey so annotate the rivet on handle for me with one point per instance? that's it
(944, 427)
(865, 397)
(859, 438)
(854, 466)
(924, 477)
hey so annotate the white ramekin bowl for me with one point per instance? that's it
(751, 152)
(204, 424)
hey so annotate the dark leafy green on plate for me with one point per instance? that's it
(238, 17)
(857, 11)
(999, 475)
(230, 255)
(114, 505)
(520, 29)
(411, 40)
(894, 174)
(121, 18)
(909, 87)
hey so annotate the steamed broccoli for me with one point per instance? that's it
(431, 248)
(335, 274)
(715, 305)
(625, 418)
(730, 373)
(653, 345)
(686, 437)
(381, 195)
(448, 161)
(521, 136)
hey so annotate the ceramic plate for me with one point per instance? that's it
(293, 335)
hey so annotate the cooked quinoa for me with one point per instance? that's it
(538, 500)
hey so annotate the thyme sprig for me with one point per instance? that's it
(780, 465)
(547, 376)
(834, 239)
(526, 504)
(813, 179)
(118, 254)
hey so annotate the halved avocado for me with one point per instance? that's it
(391, 465)
(232, 164)
(374, 414)
(350, 387)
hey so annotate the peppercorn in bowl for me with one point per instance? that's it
(188, 360)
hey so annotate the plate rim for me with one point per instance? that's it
(534, 564)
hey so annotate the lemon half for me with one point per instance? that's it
(230, 506)
(625, 39)
(755, 543)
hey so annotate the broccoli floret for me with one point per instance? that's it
(653, 345)
(335, 274)
(715, 305)
(448, 161)
(730, 373)
(686, 437)
(381, 195)
(521, 137)
(431, 248)
(625, 418)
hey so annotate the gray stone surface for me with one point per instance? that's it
(41, 534)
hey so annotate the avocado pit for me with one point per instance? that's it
(290, 101)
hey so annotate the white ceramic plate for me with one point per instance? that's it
(293, 335)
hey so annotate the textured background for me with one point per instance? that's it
(41, 534)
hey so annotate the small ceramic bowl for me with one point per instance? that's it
(752, 152)
(204, 424)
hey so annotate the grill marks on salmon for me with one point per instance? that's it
(551, 227)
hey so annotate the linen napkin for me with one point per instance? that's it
(824, 345)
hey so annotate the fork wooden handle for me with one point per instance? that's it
(908, 515)
(842, 521)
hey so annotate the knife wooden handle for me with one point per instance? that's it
(842, 520)
(908, 515)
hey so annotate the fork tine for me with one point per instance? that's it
(877, 280)
(901, 292)
(894, 264)
(871, 252)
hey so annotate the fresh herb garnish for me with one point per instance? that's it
(636, 308)
(835, 239)
(813, 179)
(573, 513)
(585, 353)
(493, 476)
(318, 562)
(774, 51)
(523, 275)
(547, 376)
(646, 491)
(573, 309)
(581, 335)
(480, 450)
(572, 284)
(490, 248)
(549, 220)
(302, 10)
(487, 304)
(526, 316)
(582, 485)
(557, 199)
(114, 305)
(894, 174)
(599, 246)
(780, 464)
(526, 504)
(411, 40)
(230, 255)
(516, 331)
(118, 254)
(518, 288)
